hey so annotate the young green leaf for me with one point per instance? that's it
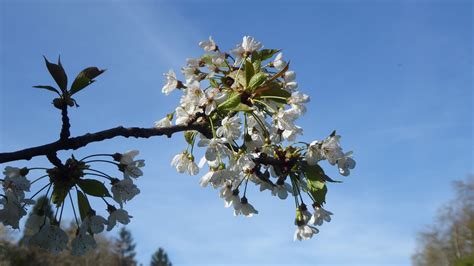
(231, 102)
(257, 65)
(213, 83)
(267, 53)
(93, 187)
(242, 107)
(59, 194)
(318, 190)
(257, 80)
(189, 136)
(316, 173)
(85, 78)
(58, 73)
(277, 92)
(49, 88)
(84, 206)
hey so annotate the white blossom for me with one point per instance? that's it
(249, 44)
(124, 190)
(94, 223)
(118, 215)
(319, 216)
(314, 153)
(246, 209)
(304, 232)
(183, 162)
(230, 128)
(13, 209)
(82, 243)
(131, 167)
(164, 122)
(171, 82)
(282, 190)
(331, 149)
(208, 46)
(345, 164)
(278, 62)
(215, 148)
(51, 238)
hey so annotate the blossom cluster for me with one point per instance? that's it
(249, 100)
(44, 230)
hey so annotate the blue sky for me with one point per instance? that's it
(395, 78)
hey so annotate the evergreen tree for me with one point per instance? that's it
(160, 258)
(125, 248)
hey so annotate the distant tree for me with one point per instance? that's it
(160, 258)
(450, 240)
(125, 248)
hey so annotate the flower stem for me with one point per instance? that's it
(39, 178)
(73, 208)
(95, 155)
(103, 161)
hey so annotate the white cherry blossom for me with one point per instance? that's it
(171, 82)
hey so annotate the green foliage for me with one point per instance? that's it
(160, 258)
(264, 54)
(125, 248)
(257, 80)
(49, 88)
(93, 187)
(249, 71)
(189, 136)
(58, 73)
(232, 101)
(84, 206)
(85, 78)
(59, 194)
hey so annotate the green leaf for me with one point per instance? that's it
(214, 83)
(85, 78)
(275, 91)
(313, 172)
(189, 136)
(242, 107)
(265, 54)
(257, 80)
(207, 59)
(231, 102)
(93, 187)
(58, 73)
(84, 206)
(318, 190)
(49, 88)
(59, 194)
(238, 76)
(316, 173)
(257, 65)
(249, 71)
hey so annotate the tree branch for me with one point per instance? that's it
(81, 141)
(65, 134)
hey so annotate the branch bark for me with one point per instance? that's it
(81, 141)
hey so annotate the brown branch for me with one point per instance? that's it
(81, 141)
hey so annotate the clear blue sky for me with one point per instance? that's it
(395, 78)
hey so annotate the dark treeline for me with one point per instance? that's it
(119, 250)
